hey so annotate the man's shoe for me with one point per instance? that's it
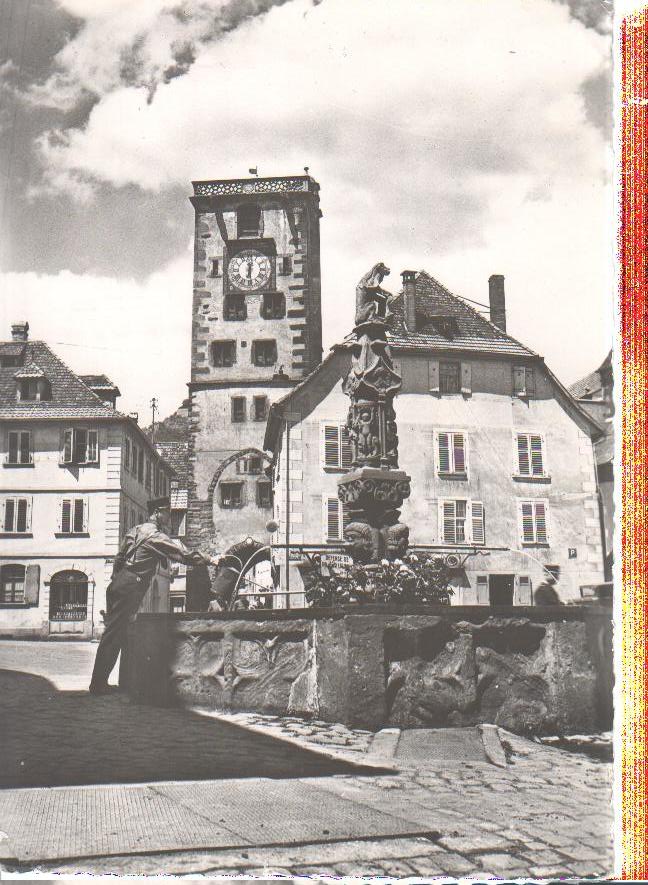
(103, 689)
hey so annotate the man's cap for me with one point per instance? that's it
(158, 504)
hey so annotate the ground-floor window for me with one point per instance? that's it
(69, 596)
(12, 584)
(177, 604)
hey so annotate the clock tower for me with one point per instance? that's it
(256, 332)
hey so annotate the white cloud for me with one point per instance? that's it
(450, 136)
(138, 334)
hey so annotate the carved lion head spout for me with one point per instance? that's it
(396, 540)
(363, 541)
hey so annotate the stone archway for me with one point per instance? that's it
(242, 453)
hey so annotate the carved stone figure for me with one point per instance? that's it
(371, 300)
(396, 539)
(364, 541)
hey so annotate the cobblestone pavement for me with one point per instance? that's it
(547, 814)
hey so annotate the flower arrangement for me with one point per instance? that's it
(411, 580)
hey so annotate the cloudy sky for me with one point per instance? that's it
(463, 137)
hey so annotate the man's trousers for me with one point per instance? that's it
(123, 598)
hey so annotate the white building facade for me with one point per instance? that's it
(500, 455)
(76, 475)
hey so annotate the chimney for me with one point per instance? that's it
(20, 331)
(409, 299)
(497, 300)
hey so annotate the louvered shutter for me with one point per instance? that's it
(92, 455)
(444, 452)
(541, 523)
(331, 445)
(345, 447)
(447, 517)
(527, 533)
(433, 376)
(13, 447)
(21, 515)
(127, 454)
(477, 523)
(66, 516)
(466, 378)
(9, 512)
(25, 447)
(535, 445)
(332, 519)
(523, 454)
(519, 380)
(80, 452)
(459, 452)
(522, 590)
(32, 584)
(482, 590)
(67, 446)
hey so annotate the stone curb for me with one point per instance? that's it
(341, 755)
(493, 745)
(385, 743)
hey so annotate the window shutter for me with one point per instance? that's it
(530, 382)
(523, 454)
(345, 447)
(527, 533)
(478, 528)
(9, 511)
(519, 380)
(127, 454)
(331, 445)
(93, 447)
(332, 519)
(537, 466)
(25, 447)
(433, 376)
(66, 516)
(444, 452)
(482, 590)
(13, 447)
(448, 521)
(80, 449)
(32, 584)
(522, 590)
(466, 378)
(3, 510)
(66, 446)
(459, 452)
(540, 523)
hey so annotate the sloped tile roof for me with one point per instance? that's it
(31, 370)
(12, 348)
(176, 453)
(71, 398)
(98, 381)
(474, 331)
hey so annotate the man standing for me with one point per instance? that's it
(144, 548)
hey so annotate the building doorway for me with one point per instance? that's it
(68, 606)
(500, 589)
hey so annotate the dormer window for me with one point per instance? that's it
(32, 385)
(445, 325)
(248, 221)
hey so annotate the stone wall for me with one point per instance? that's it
(530, 670)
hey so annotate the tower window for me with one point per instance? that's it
(264, 353)
(286, 265)
(231, 494)
(260, 408)
(238, 409)
(223, 353)
(248, 221)
(235, 307)
(273, 306)
(264, 494)
(215, 269)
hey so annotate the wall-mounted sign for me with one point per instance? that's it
(572, 553)
(334, 563)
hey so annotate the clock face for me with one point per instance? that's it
(249, 269)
